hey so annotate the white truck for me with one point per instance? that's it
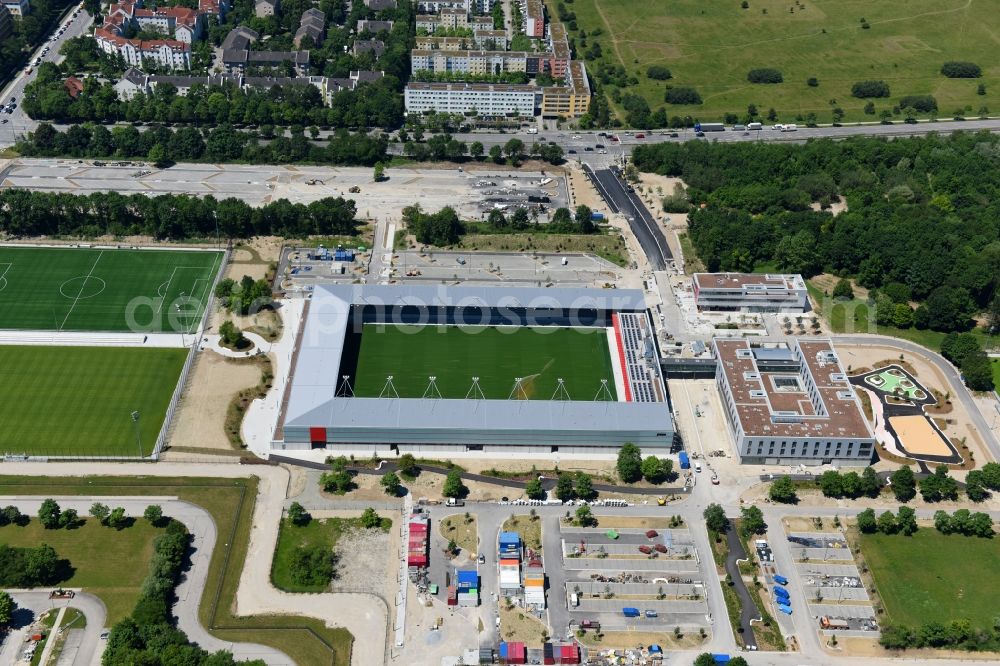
(789, 128)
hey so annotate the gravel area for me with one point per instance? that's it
(357, 569)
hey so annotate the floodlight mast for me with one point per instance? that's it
(138, 434)
(345, 390)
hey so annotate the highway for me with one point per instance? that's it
(640, 220)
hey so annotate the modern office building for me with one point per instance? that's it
(790, 403)
(749, 292)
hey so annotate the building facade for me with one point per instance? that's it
(17, 8)
(485, 99)
(749, 292)
(790, 404)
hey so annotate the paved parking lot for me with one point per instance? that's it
(524, 268)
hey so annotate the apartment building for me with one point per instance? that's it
(790, 403)
(533, 17)
(477, 62)
(749, 292)
(17, 8)
(483, 99)
(312, 24)
(571, 100)
(169, 53)
(374, 26)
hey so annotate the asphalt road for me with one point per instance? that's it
(749, 612)
(32, 603)
(643, 225)
(18, 123)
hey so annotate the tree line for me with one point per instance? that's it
(163, 146)
(27, 33)
(445, 228)
(920, 212)
(169, 216)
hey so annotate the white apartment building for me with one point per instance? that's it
(790, 403)
(749, 292)
(484, 99)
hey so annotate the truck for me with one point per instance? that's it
(755, 126)
(782, 601)
(781, 592)
(684, 460)
(532, 130)
(780, 580)
(787, 610)
(574, 599)
(455, 502)
(709, 127)
(628, 611)
(790, 128)
(834, 623)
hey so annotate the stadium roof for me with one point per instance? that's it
(312, 398)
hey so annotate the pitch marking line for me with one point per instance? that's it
(3, 275)
(82, 286)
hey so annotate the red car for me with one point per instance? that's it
(640, 136)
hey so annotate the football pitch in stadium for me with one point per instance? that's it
(454, 355)
(78, 401)
(84, 289)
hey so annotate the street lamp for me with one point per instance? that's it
(138, 436)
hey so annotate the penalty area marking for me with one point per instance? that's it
(3, 274)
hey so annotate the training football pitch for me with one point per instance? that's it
(540, 356)
(711, 46)
(82, 289)
(78, 401)
(933, 577)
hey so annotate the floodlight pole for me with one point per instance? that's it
(138, 435)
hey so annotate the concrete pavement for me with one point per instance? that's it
(88, 652)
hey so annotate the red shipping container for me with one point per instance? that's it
(569, 654)
(517, 653)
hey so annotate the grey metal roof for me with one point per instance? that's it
(312, 397)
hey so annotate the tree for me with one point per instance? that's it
(949, 309)
(867, 522)
(715, 519)
(737, 661)
(69, 519)
(991, 475)
(939, 486)
(370, 519)
(338, 480)
(652, 470)
(7, 608)
(887, 523)
(312, 566)
(843, 290)
(584, 516)
(533, 489)
(956, 347)
(297, 515)
(231, 335)
(629, 464)
(100, 512)
(10, 515)
(871, 484)
(476, 150)
(906, 521)
(981, 525)
(390, 483)
(584, 486)
(850, 484)
(48, 514)
(975, 487)
(704, 659)
(783, 490)
(752, 519)
(514, 150)
(977, 371)
(903, 483)
(453, 486)
(564, 487)
(942, 522)
(379, 174)
(117, 519)
(153, 514)
(407, 466)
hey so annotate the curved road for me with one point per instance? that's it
(202, 527)
(38, 602)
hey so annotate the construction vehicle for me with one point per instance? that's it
(354, 189)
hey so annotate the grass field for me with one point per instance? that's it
(78, 400)
(496, 355)
(712, 45)
(73, 289)
(932, 577)
(89, 549)
(231, 503)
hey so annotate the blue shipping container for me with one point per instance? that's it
(468, 579)
(630, 612)
(596, 217)
(510, 538)
(781, 580)
(683, 457)
(720, 658)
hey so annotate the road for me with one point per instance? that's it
(35, 603)
(17, 124)
(204, 535)
(749, 613)
(640, 220)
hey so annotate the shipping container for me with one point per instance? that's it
(597, 217)
(548, 654)
(685, 462)
(709, 127)
(467, 578)
(781, 592)
(720, 658)
(513, 653)
(569, 654)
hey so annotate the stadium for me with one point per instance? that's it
(435, 369)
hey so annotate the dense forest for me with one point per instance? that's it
(28, 33)
(922, 217)
(174, 217)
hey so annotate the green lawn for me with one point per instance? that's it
(995, 364)
(496, 355)
(78, 400)
(324, 532)
(89, 549)
(932, 577)
(712, 45)
(231, 504)
(74, 289)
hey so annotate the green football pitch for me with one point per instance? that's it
(79, 400)
(77, 289)
(540, 356)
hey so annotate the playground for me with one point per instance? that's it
(895, 381)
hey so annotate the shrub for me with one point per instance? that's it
(682, 95)
(863, 89)
(812, 82)
(958, 69)
(765, 75)
(658, 72)
(921, 103)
